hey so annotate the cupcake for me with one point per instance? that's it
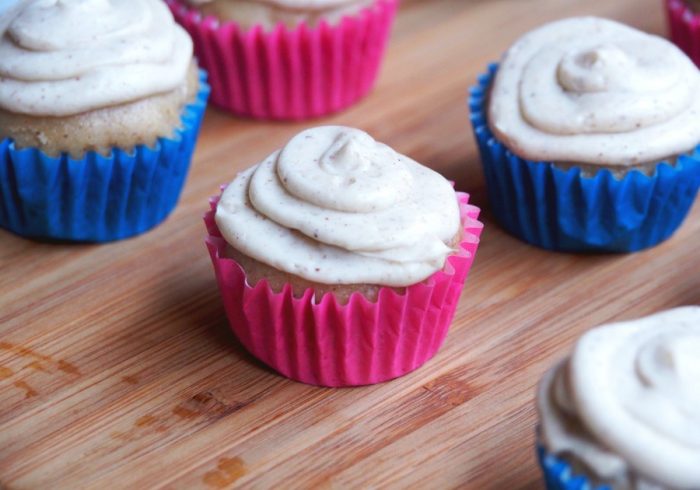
(623, 412)
(340, 262)
(98, 118)
(288, 59)
(684, 22)
(588, 134)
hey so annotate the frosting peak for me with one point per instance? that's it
(343, 169)
(346, 154)
(596, 69)
(64, 57)
(336, 207)
(589, 90)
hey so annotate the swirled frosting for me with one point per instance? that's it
(336, 207)
(627, 402)
(65, 57)
(590, 90)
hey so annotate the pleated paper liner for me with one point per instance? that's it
(97, 198)
(558, 474)
(290, 74)
(331, 344)
(564, 210)
(685, 28)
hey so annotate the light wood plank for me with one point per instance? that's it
(117, 368)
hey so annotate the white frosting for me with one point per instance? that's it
(64, 57)
(627, 403)
(590, 90)
(336, 207)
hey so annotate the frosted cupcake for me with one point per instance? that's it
(588, 132)
(288, 59)
(340, 261)
(98, 119)
(623, 412)
(684, 23)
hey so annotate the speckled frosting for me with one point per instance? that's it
(336, 207)
(65, 57)
(590, 90)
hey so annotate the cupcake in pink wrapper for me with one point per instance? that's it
(684, 21)
(340, 262)
(288, 59)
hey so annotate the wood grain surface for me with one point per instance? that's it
(117, 368)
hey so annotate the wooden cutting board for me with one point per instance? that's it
(117, 368)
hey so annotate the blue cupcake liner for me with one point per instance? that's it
(558, 474)
(563, 210)
(98, 198)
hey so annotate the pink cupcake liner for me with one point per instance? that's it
(290, 74)
(330, 344)
(685, 28)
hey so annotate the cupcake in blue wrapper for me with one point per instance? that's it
(100, 108)
(588, 133)
(621, 413)
(559, 475)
